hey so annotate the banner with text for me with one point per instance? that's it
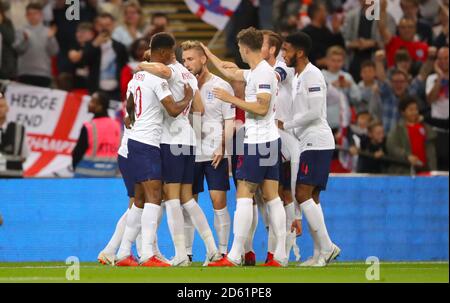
(53, 120)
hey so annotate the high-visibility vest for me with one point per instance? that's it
(11, 145)
(100, 159)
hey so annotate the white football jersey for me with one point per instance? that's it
(178, 130)
(261, 129)
(284, 100)
(307, 87)
(148, 92)
(123, 149)
(213, 120)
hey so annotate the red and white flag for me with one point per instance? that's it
(53, 120)
(214, 12)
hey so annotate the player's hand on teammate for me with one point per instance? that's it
(188, 92)
(280, 124)
(127, 122)
(297, 227)
(222, 94)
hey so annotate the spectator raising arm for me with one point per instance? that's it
(386, 35)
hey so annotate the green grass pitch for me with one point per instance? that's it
(55, 272)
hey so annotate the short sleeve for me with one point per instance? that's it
(162, 89)
(282, 72)
(228, 110)
(314, 86)
(246, 74)
(264, 82)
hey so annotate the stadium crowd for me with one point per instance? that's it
(388, 102)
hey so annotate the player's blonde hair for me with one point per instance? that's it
(192, 44)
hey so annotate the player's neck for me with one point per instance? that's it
(204, 76)
(254, 60)
(301, 65)
(272, 61)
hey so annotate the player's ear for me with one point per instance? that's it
(204, 59)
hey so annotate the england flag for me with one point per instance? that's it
(214, 12)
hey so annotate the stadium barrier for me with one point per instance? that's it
(392, 218)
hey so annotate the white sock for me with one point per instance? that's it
(222, 224)
(175, 221)
(131, 231)
(156, 250)
(317, 224)
(290, 218)
(139, 244)
(272, 239)
(201, 224)
(316, 252)
(277, 217)
(323, 233)
(243, 217)
(149, 223)
(116, 238)
(251, 235)
(189, 232)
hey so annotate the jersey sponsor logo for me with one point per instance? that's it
(314, 89)
(264, 86)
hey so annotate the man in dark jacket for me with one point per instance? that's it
(106, 58)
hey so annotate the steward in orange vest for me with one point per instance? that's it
(95, 154)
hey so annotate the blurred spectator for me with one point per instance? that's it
(411, 140)
(318, 31)
(362, 36)
(112, 7)
(372, 151)
(13, 144)
(265, 11)
(418, 50)
(17, 9)
(368, 86)
(429, 9)
(437, 95)
(357, 133)
(131, 28)
(403, 62)
(85, 34)
(95, 154)
(442, 28)
(8, 58)
(338, 108)
(336, 76)
(159, 23)
(65, 35)
(105, 58)
(410, 10)
(35, 45)
(137, 50)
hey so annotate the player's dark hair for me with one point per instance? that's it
(251, 37)
(313, 8)
(300, 41)
(405, 102)
(162, 41)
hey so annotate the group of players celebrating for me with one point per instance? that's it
(285, 143)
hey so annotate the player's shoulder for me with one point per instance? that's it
(313, 73)
(218, 81)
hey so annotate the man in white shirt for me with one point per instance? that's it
(310, 126)
(259, 165)
(178, 151)
(216, 129)
(289, 144)
(145, 95)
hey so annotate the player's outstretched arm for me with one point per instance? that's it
(156, 68)
(175, 108)
(260, 107)
(228, 69)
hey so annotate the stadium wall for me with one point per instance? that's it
(393, 218)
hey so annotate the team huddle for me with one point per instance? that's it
(181, 128)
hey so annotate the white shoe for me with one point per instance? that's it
(325, 259)
(212, 257)
(106, 259)
(178, 262)
(310, 262)
(160, 256)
